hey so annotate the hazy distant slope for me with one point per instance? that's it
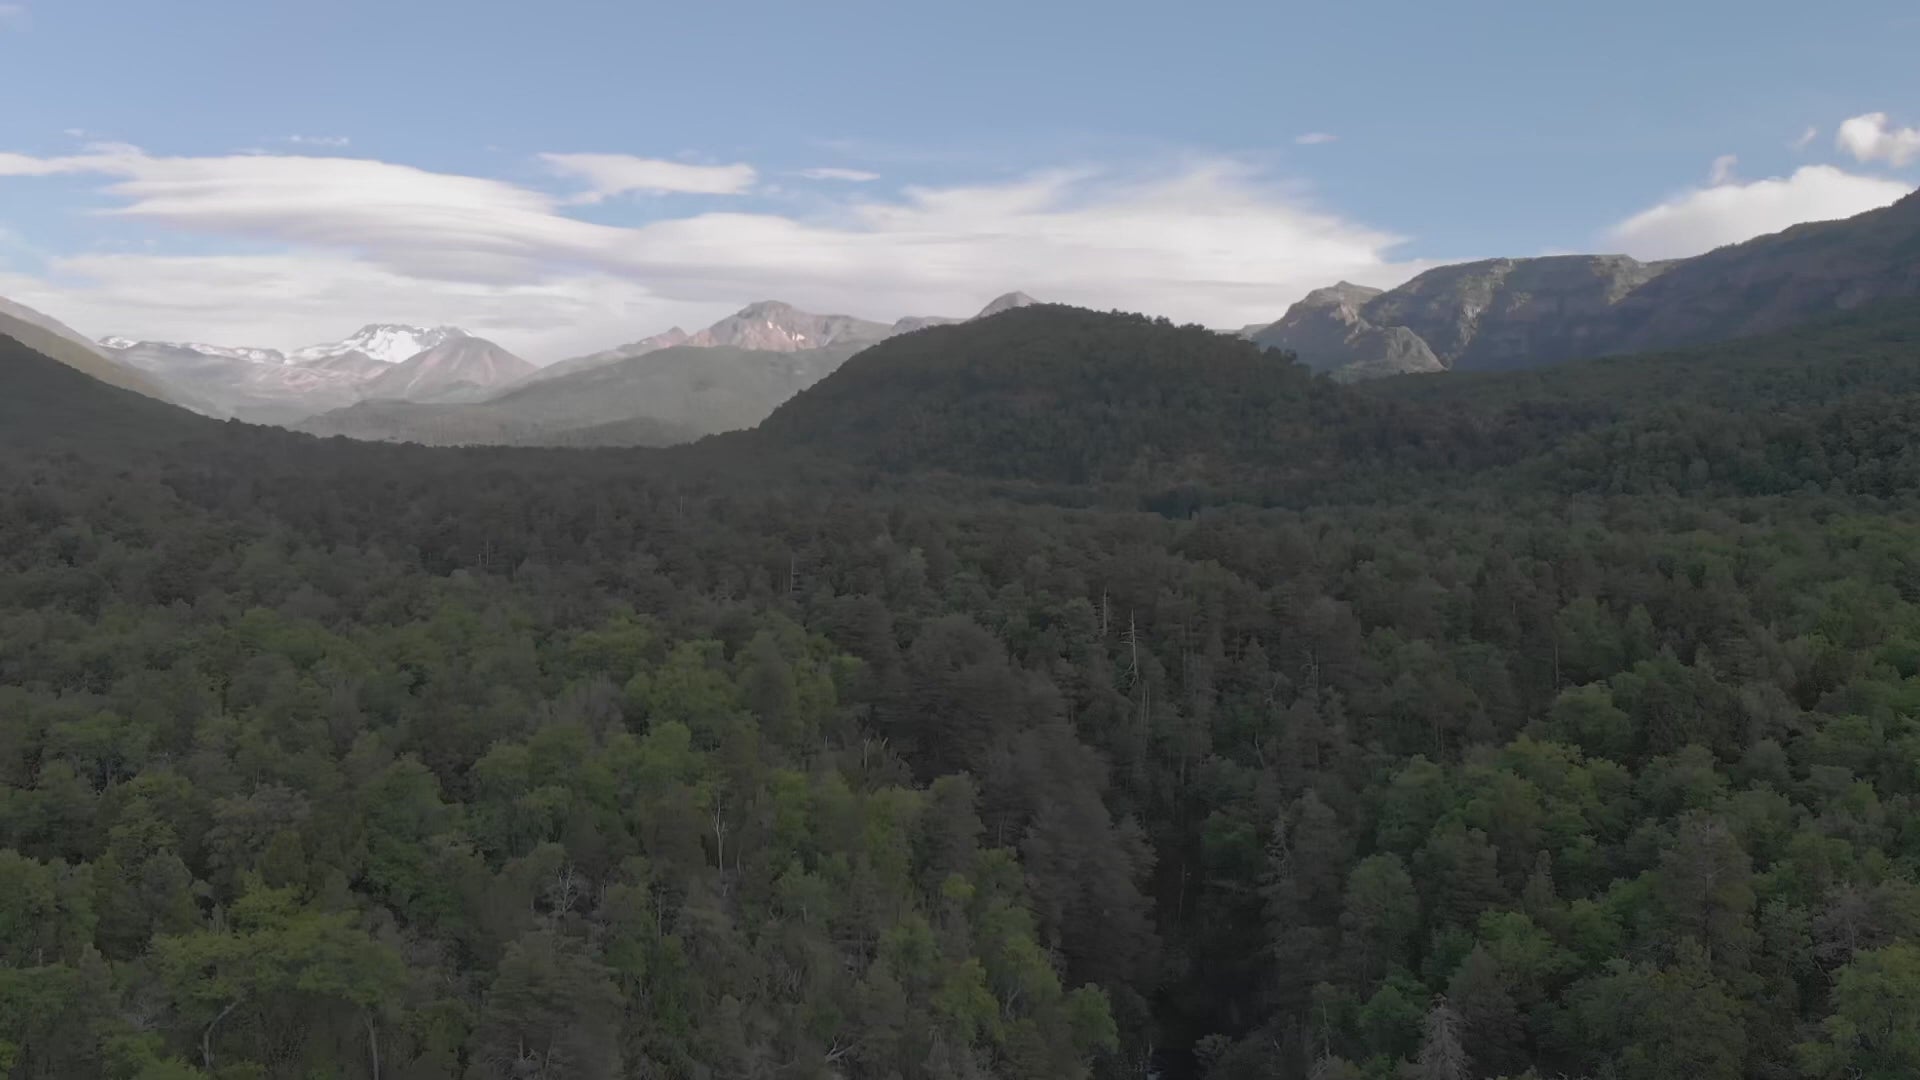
(771, 326)
(672, 395)
(705, 389)
(233, 383)
(668, 340)
(457, 363)
(52, 338)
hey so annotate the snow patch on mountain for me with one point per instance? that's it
(389, 343)
(253, 356)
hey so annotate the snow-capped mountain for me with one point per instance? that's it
(387, 342)
(255, 356)
(253, 384)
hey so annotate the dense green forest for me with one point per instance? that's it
(1061, 695)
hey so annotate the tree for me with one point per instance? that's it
(274, 959)
(1874, 1032)
(552, 1011)
(1442, 1057)
(1382, 913)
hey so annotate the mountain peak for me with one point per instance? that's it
(767, 309)
(774, 326)
(1006, 302)
(388, 342)
(443, 331)
(459, 361)
(1341, 294)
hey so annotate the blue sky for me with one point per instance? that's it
(1117, 154)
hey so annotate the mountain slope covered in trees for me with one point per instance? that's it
(1529, 725)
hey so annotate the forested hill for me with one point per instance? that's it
(1052, 392)
(45, 403)
(1543, 729)
(1185, 417)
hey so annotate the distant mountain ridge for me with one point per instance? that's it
(256, 356)
(243, 383)
(390, 343)
(659, 398)
(1498, 314)
(772, 326)
(726, 376)
(457, 362)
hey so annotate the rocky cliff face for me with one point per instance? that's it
(1514, 313)
(1506, 313)
(1328, 333)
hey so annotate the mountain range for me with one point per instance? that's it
(443, 385)
(1513, 313)
(381, 360)
(668, 388)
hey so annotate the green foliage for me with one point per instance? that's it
(1446, 735)
(1874, 1032)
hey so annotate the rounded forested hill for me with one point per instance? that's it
(1059, 393)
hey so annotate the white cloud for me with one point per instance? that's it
(1722, 170)
(334, 141)
(1806, 138)
(1211, 243)
(1315, 138)
(1872, 137)
(854, 176)
(619, 174)
(1705, 218)
(14, 16)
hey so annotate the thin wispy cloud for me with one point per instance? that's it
(1211, 241)
(1873, 137)
(14, 16)
(852, 176)
(332, 142)
(1315, 138)
(1806, 139)
(1722, 170)
(607, 175)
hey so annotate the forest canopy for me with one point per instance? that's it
(1063, 695)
